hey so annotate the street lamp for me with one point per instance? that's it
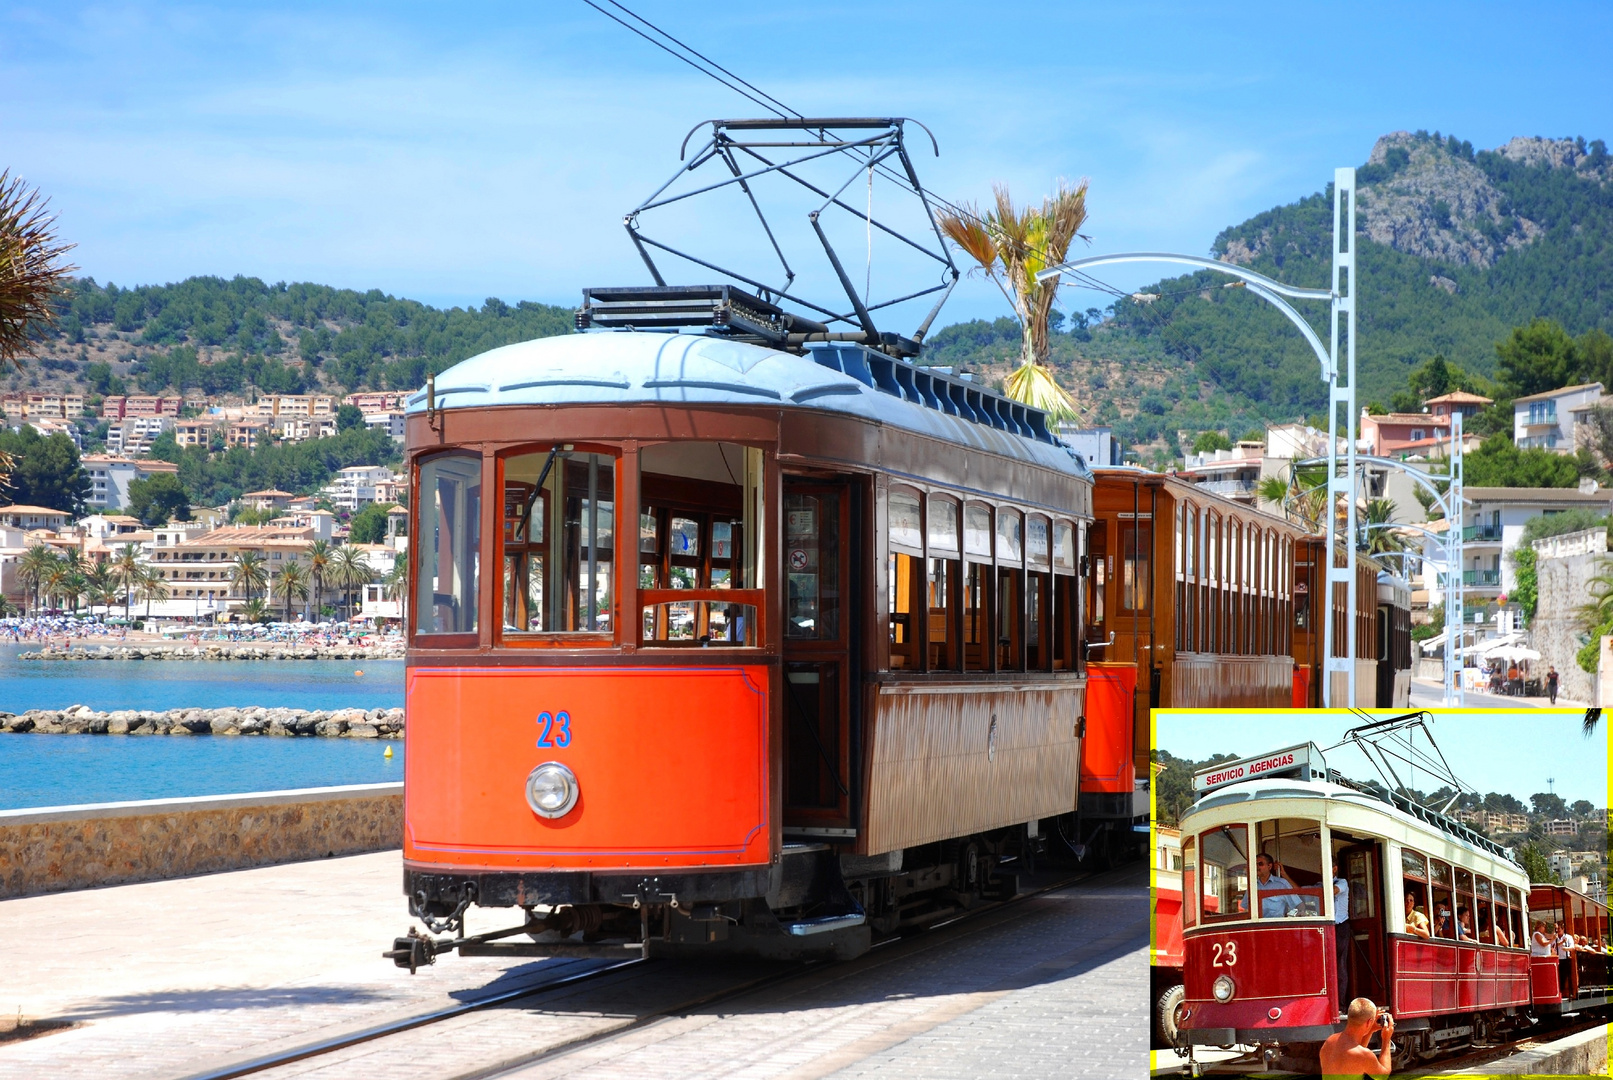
(1341, 303)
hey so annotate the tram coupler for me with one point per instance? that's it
(414, 951)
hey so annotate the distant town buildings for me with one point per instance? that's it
(111, 474)
(1561, 827)
(1098, 447)
(1549, 420)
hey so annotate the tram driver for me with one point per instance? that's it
(1269, 880)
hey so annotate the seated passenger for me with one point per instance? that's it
(1501, 936)
(1464, 924)
(1443, 926)
(1416, 921)
(1271, 907)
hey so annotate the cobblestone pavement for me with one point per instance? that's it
(1056, 987)
(171, 978)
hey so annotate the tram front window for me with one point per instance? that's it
(1224, 862)
(558, 536)
(449, 546)
(1288, 868)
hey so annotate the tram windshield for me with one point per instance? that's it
(449, 546)
(1224, 863)
(1288, 868)
(558, 536)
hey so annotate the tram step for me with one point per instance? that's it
(825, 923)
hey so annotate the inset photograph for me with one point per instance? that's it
(1365, 892)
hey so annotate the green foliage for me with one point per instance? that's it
(1537, 358)
(159, 498)
(221, 478)
(369, 524)
(1535, 864)
(349, 417)
(1173, 787)
(98, 375)
(365, 339)
(47, 471)
(1577, 519)
(1527, 592)
(1211, 440)
(1499, 463)
(1433, 627)
(165, 447)
(251, 515)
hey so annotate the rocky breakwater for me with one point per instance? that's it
(330, 724)
(221, 650)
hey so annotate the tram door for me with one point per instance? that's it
(1363, 869)
(820, 620)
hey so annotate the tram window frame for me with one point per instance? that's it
(1190, 887)
(1230, 890)
(1065, 618)
(469, 520)
(1136, 539)
(1467, 893)
(1483, 910)
(679, 480)
(905, 578)
(1008, 638)
(1095, 613)
(1519, 921)
(1271, 834)
(1414, 878)
(556, 533)
(1179, 526)
(815, 525)
(1212, 535)
(1441, 883)
(943, 581)
(1038, 592)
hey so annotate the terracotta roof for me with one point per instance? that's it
(1461, 397)
(32, 510)
(1411, 418)
(270, 492)
(1537, 495)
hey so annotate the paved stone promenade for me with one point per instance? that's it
(171, 978)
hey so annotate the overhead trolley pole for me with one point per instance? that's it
(1341, 486)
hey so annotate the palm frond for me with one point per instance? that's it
(1033, 384)
(970, 232)
(31, 268)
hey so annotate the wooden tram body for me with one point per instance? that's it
(1585, 919)
(1261, 968)
(839, 672)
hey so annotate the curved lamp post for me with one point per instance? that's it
(1341, 303)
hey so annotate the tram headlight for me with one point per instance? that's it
(1222, 988)
(551, 790)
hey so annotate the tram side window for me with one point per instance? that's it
(1520, 938)
(1136, 553)
(1038, 594)
(1226, 862)
(450, 487)
(977, 582)
(558, 539)
(699, 514)
(1010, 590)
(1098, 586)
(1190, 878)
(1066, 615)
(905, 580)
(1484, 919)
(1443, 912)
(812, 566)
(1465, 928)
(1414, 884)
(945, 582)
(1294, 845)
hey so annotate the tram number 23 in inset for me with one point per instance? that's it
(1225, 953)
(556, 730)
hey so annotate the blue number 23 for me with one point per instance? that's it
(557, 728)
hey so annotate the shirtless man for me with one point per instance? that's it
(1346, 1053)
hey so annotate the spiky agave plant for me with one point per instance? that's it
(1012, 245)
(31, 273)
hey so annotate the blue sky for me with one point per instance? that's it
(455, 152)
(1491, 750)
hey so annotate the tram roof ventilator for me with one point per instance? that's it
(752, 152)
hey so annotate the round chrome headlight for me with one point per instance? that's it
(1222, 988)
(551, 790)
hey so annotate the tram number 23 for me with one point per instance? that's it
(556, 730)
(1223, 954)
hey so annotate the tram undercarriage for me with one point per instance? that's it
(811, 904)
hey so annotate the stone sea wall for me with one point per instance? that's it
(221, 650)
(77, 847)
(329, 723)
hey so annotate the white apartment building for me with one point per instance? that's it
(1233, 474)
(136, 434)
(1549, 420)
(110, 477)
(391, 422)
(359, 485)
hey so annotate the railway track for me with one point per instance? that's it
(663, 989)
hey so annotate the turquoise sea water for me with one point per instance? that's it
(55, 770)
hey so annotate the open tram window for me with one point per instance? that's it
(977, 580)
(1465, 929)
(905, 580)
(1010, 591)
(1136, 553)
(1190, 879)
(699, 548)
(1038, 594)
(1520, 938)
(1225, 865)
(1414, 885)
(1443, 912)
(1484, 917)
(945, 582)
(449, 544)
(812, 565)
(1293, 888)
(1098, 586)
(1065, 618)
(558, 541)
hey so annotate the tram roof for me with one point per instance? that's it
(1256, 791)
(637, 368)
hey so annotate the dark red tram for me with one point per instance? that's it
(1261, 960)
(718, 645)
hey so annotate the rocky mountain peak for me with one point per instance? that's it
(1427, 197)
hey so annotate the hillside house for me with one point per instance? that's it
(1548, 420)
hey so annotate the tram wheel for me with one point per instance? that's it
(1165, 1006)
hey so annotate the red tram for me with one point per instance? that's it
(716, 645)
(1260, 946)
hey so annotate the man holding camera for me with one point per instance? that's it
(1346, 1053)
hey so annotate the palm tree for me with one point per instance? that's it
(1012, 245)
(153, 586)
(1381, 541)
(319, 555)
(349, 569)
(125, 571)
(1302, 496)
(34, 569)
(75, 583)
(249, 572)
(255, 610)
(291, 581)
(397, 585)
(55, 583)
